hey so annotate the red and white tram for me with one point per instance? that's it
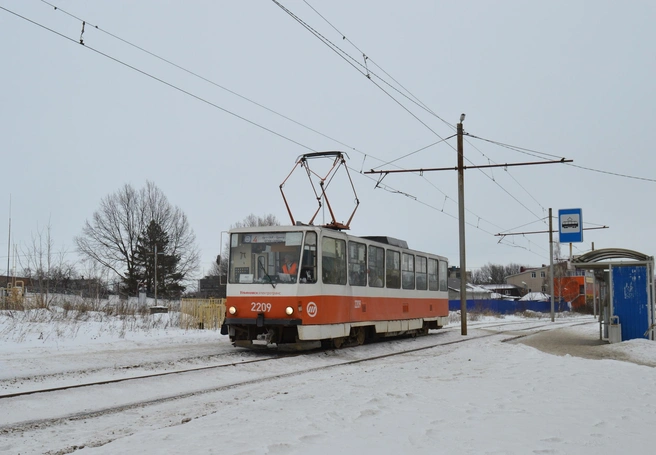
(304, 287)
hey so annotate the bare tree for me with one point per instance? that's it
(47, 270)
(495, 273)
(255, 221)
(111, 237)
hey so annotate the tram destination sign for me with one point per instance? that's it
(570, 225)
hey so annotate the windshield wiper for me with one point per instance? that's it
(260, 262)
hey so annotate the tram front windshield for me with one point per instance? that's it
(265, 257)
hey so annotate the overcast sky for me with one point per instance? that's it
(562, 78)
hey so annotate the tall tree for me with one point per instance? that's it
(153, 247)
(111, 237)
(495, 273)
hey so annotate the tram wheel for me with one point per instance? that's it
(360, 335)
(338, 342)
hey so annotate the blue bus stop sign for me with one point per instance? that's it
(570, 225)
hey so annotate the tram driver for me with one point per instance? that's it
(289, 266)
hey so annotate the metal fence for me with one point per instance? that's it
(202, 313)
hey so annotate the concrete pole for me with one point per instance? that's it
(461, 223)
(594, 295)
(155, 275)
(551, 270)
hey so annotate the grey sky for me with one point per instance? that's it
(570, 79)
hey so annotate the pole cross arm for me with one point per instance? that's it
(483, 166)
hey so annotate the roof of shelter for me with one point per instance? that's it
(606, 256)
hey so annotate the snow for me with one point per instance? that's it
(535, 297)
(479, 396)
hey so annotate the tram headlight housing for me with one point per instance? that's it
(232, 310)
(289, 311)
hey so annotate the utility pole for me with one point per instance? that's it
(461, 230)
(551, 271)
(155, 274)
(461, 206)
(8, 249)
(155, 253)
(551, 255)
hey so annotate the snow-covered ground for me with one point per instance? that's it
(480, 396)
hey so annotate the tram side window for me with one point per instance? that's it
(433, 284)
(408, 271)
(393, 269)
(333, 261)
(309, 260)
(357, 262)
(421, 266)
(376, 266)
(443, 267)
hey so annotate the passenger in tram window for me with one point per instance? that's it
(375, 280)
(289, 266)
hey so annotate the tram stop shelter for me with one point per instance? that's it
(626, 297)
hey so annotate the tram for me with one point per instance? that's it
(304, 287)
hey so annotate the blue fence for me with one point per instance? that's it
(508, 306)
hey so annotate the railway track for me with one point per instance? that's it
(481, 326)
(95, 415)
(528, 331)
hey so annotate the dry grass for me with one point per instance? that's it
(66, 316)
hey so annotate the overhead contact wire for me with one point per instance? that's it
(162, 81)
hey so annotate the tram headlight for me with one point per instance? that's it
(289, 311)
(232, 310)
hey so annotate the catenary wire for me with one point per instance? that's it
(186, 92)
(354, 63)
(343, 55)
(235, 93)
(212, 104)
(264, 107)
(344, 37)
(200, 76)
(538, 154)
(260, 105)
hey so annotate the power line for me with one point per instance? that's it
(432, 207)
(264, 107)
(510, 175)
(417, 151)
(538, 154)
(212, 104)
(260, 105)
(614, 173)
(523, 150)
(344, 56)
(186, 92)
(201, 77)
(171, 85)
(419, 101)
(367, 58)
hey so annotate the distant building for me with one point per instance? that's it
(531, 280)
(474, 292)
(569, 285)
(454, 272)
(11, 280)
(503, 291)
(212, 287)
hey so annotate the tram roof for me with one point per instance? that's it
(303, 227)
